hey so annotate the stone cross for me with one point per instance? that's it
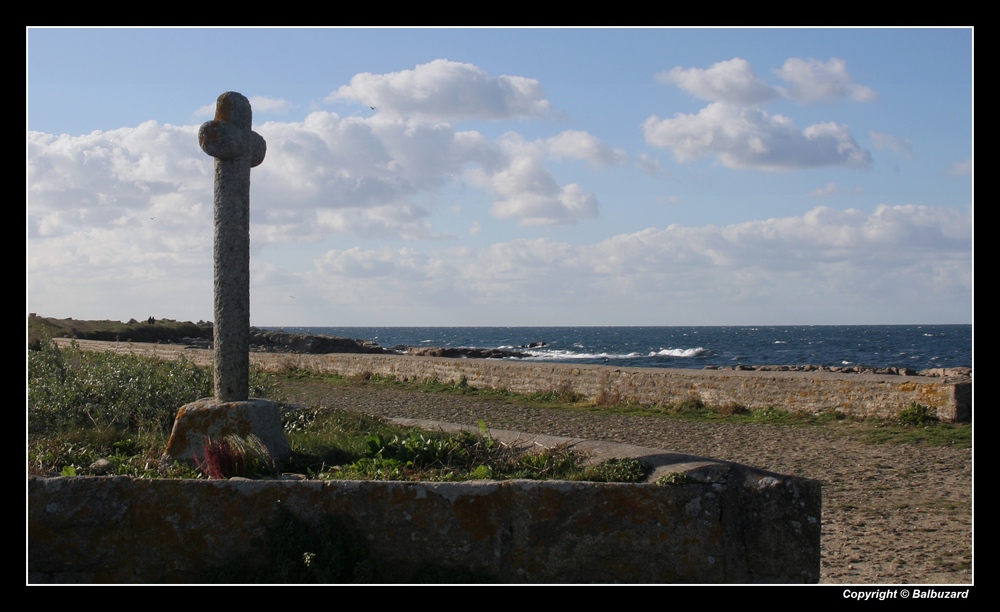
(236, 149)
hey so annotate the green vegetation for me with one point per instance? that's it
(162, 330)
(674, 479)
(85, 406)
(917, 424)
(328, 444)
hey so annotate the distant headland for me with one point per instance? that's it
(199, 335)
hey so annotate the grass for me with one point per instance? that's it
(333, 444)
(86, 406)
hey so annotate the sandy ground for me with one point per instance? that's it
(891, 513)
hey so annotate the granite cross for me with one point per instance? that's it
(236, 149)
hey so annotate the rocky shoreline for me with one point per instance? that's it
(305, 344)
(265, 341)
(199, 335)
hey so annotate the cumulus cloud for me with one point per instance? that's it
(742, 135)
(525, 189)
(817, 81)
(733, 81)
(114, 178)
(364, 177)
(751, 138)
(907, 235)
(575, 144)
(265, 105)
(447, 90)
(815, 266)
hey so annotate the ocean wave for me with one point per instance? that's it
(563, 355)
(672, 352)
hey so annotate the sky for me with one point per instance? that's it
(522, 177)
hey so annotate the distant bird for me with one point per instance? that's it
(372, 107)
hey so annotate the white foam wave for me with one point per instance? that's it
(672, 352)
(560, 355)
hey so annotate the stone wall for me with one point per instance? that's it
(863, 395)
(724, 523)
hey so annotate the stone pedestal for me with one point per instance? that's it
(215, 419)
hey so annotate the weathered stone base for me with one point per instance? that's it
(213, 419)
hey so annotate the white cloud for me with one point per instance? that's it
(575, 144)
(447, 90)
(828, 190)
(525, 189)
(733, 81)
(114, 178)
(741, 135)
(750, 138)
(364, 177)
(817, 81)
(273, 106)
(382, 162)
(881, 140)
(813, 267)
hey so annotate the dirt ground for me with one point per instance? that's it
(891, 513)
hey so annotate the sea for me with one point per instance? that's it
(913, 346)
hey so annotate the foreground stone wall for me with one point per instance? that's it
(863, 395)
(728, 523)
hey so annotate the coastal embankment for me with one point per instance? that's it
(948, 394)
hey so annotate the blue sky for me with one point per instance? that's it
(511, 176)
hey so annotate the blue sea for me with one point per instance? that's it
(912, 346)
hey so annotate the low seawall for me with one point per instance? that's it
(861, 395)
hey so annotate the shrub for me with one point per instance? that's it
(70, 388)
(917, 415)
(674, 479)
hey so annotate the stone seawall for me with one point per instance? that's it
(862, 395)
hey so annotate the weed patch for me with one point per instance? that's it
(674, 479)
(916, 415)
(84, 406)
